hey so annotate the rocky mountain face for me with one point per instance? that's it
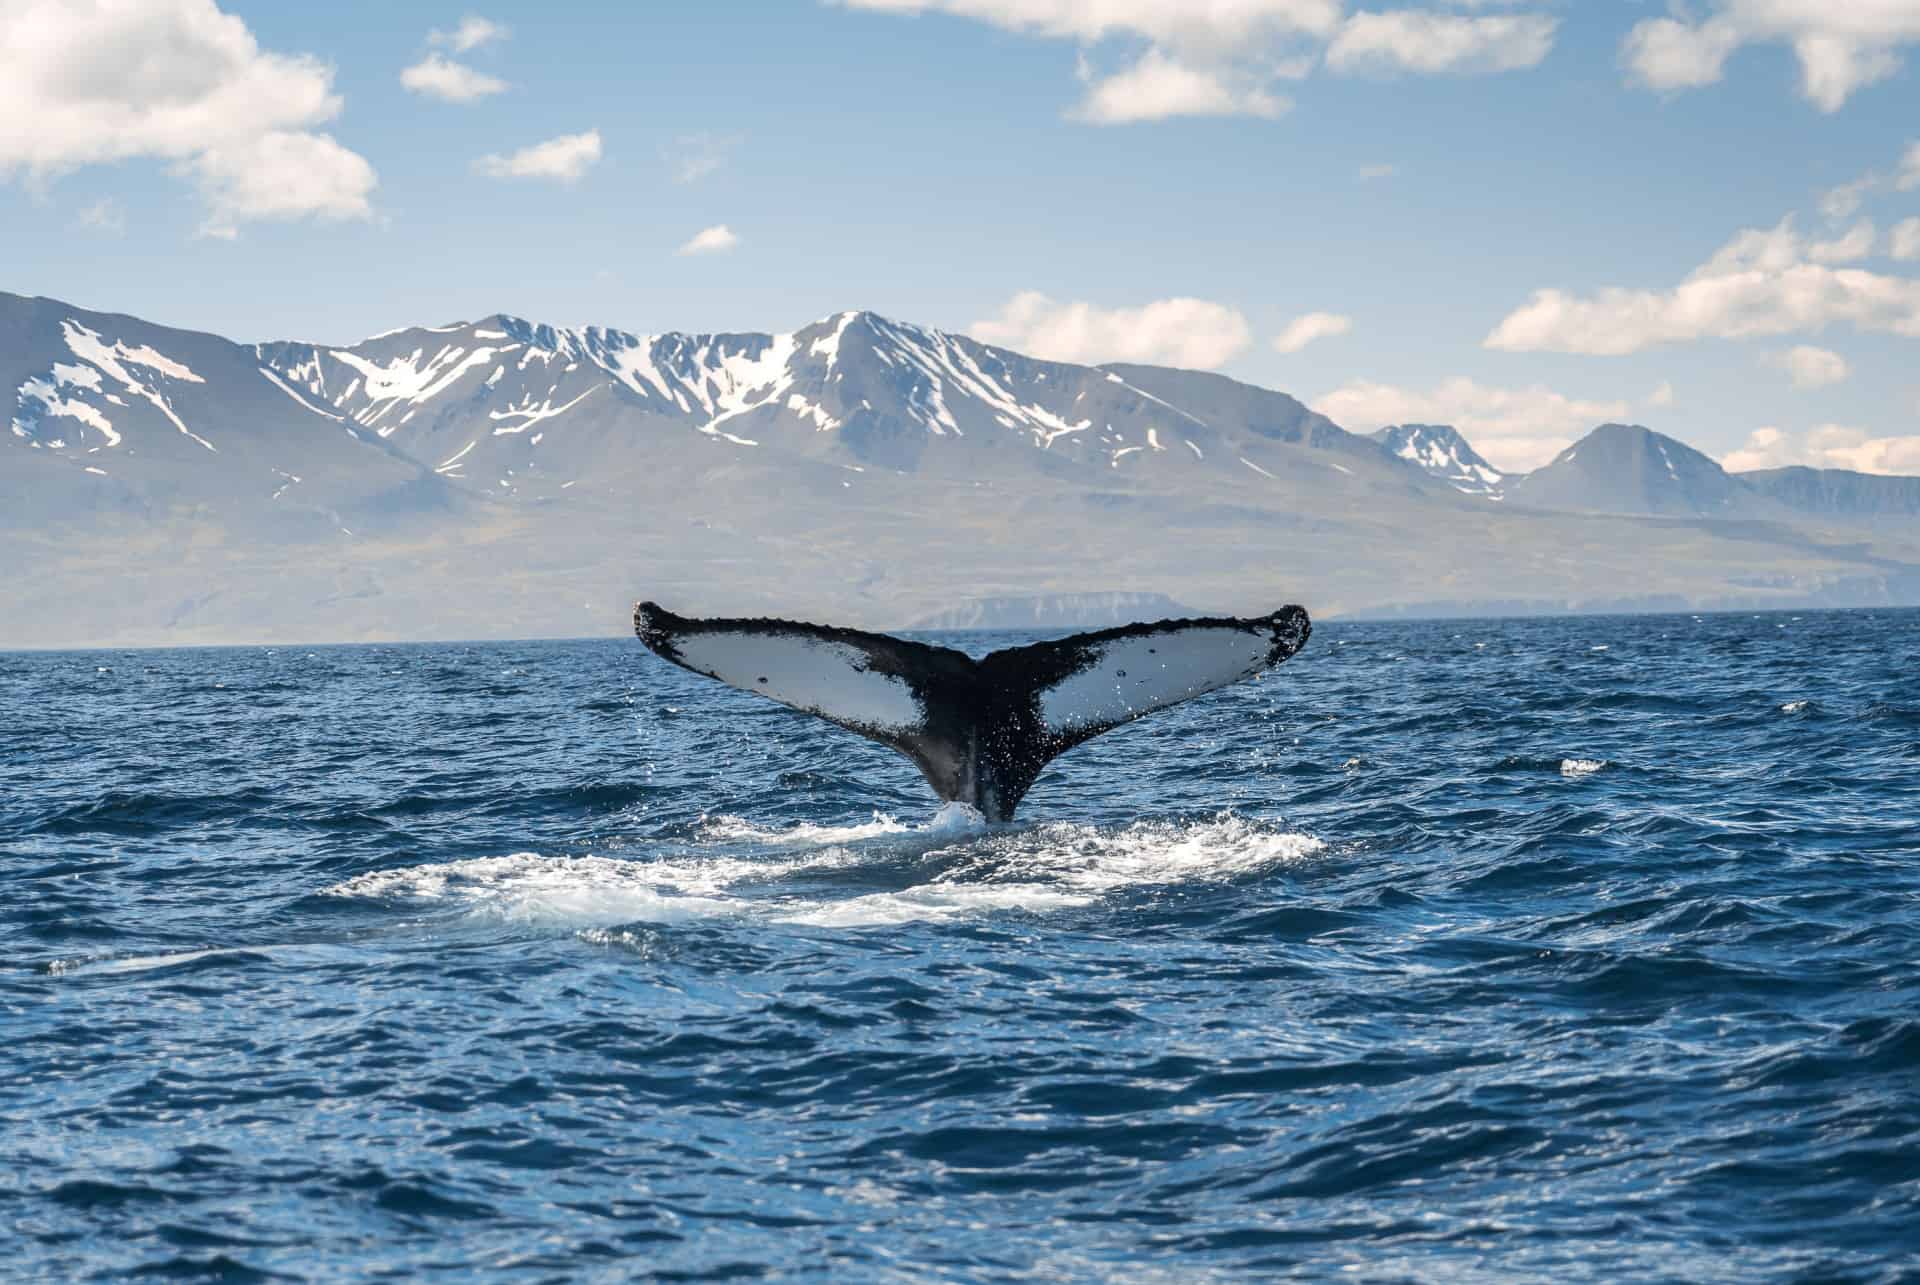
(1441, 451)
(501, 477)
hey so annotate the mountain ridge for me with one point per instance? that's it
(506, 477)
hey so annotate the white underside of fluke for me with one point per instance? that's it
(1135, 676)
(826, 678)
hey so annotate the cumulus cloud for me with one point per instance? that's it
(565, 159)
(1662, 395)
(1903, 242)
(1413, 40)
(714, 240)
(438, 76)
(1158, 88)
(1810, 367)
(178, 81)
(1762, 282)
(1842, 45)
(1191, 333)
(1828, 446)
(1516, 429)
(1303, 330)
(282, 175)
(1222, 57)
(1909, 176)
(472, 32)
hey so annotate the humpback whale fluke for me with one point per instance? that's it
(979, 730)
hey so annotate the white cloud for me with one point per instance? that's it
(1904, 241)
(1810, 367)
(472, 32)
(178, 81)
(565, 159)
(1415, 40)
(1377, 171)
(1844, 202)
(104, 215)
(438, 76)
(1856, 244)
(1827, 446)
(1213, 25)
(1514, 428)
(1763, 282)
(1662, 395)
(1842, 45)
(1909, 176)
(1190, 333)
(694, 156)
(1303, 330)
(714, 240)
(282, 175)
(1221, 57)
(1158, 88)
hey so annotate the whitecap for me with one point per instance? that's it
(1795, 707)
(1581, 767)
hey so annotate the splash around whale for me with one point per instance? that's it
(980, 730)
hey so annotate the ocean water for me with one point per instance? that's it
(1579, 948)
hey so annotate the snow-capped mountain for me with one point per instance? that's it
(1443, 452)
(501, 477)
(528, 409)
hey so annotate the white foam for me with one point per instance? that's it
(981, 870)
(1581, 767)
(1794, 707)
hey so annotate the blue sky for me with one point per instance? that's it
(1104, 179)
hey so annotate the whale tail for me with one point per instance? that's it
(979, 730)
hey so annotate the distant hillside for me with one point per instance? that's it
(1624, 468)
(1838, 493)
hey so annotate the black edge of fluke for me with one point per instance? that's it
(979, 730)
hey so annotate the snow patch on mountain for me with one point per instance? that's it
(1443, 452)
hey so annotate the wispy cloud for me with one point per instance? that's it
(691, 157)
(104, 215)
(1303, 330)
(472, 32)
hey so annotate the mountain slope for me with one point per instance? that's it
(1628, 469)
(1838, 494)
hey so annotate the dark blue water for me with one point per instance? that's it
(1510, 949)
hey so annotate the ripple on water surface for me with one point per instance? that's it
(1493, 948)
